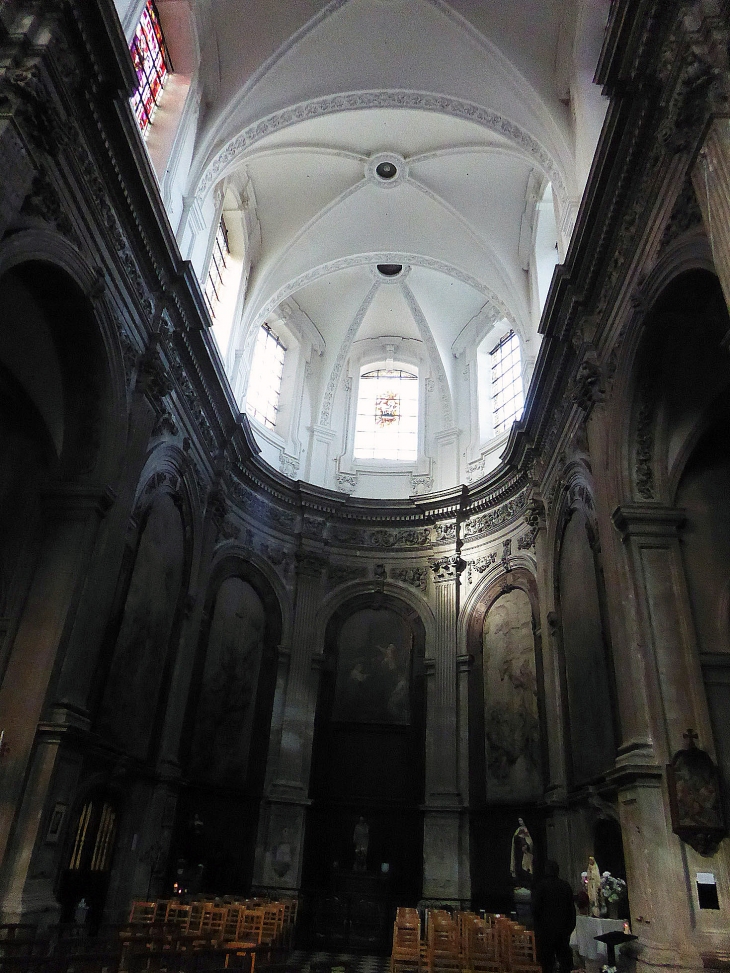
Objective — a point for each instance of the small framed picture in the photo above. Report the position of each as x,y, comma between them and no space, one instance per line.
56,823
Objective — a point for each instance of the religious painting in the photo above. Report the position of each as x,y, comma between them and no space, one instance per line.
694,798
132,692
374,650
225,712
511,718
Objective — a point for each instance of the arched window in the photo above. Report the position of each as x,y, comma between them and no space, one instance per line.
264,385
386,425
507,393
219,261
152,64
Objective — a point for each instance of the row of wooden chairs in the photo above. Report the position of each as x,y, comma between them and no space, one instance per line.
464,943
247,921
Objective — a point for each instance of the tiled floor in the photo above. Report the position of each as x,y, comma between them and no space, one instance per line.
337,963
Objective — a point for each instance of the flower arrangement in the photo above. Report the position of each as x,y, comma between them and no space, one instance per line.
612,888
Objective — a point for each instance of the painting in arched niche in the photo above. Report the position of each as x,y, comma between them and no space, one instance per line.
129,706
225,711
373,668
511,716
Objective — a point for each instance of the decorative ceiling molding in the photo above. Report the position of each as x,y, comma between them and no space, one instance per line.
436,361
325,415
383,257
467,111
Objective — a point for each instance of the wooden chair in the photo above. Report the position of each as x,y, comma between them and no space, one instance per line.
144,912
522,958
442,951
405,956
482,952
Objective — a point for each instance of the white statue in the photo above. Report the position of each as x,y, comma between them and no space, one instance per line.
593,886
521,859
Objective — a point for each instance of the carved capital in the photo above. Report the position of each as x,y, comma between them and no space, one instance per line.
447,568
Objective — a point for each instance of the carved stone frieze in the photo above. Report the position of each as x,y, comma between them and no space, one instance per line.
217,505
416,576
162,479
494,519
310,563
444,533
347,482
289,465
481,564
43,203
313,527
644,448
526,542
535,516
282,559
338,574
418,537
588,385
685,216
421,483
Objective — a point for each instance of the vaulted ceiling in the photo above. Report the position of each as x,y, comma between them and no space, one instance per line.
479,104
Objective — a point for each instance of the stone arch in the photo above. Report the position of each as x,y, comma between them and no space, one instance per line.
354,589
490,592
632,431
227,727
507,726
368,753
159,557
65,283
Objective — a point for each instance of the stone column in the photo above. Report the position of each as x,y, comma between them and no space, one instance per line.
73,515
554,730
711,181
661,869
445,829
283,816
57,759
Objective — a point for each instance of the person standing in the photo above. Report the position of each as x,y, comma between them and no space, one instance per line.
554,917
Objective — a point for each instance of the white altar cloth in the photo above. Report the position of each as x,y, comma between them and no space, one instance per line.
586,928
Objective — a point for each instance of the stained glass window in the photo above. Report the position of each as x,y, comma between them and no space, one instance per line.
264,385
216,270
152,64
507,395
387,415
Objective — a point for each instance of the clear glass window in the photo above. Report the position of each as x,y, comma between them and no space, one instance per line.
217,268
386,426
264,384
152,64
507,395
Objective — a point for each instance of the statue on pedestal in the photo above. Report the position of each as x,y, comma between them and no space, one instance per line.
593,886
521,858
361,838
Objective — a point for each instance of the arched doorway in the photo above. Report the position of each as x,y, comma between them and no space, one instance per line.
367,778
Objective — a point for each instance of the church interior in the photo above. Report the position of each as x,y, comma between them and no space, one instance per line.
364,373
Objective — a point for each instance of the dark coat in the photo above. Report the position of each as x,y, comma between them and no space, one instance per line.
553,910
